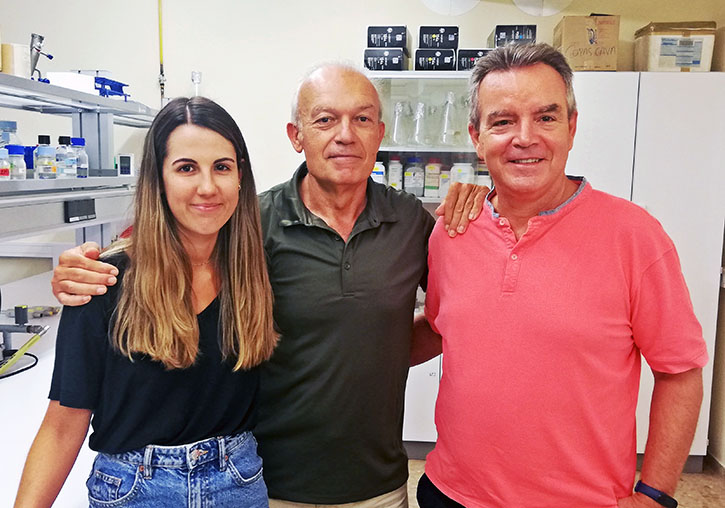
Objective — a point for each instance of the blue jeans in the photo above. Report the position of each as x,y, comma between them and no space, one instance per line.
219,472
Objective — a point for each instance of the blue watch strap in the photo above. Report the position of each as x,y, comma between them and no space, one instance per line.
659,496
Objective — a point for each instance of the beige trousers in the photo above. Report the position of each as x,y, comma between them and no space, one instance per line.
398,498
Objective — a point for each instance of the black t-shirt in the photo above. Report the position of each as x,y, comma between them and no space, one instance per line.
141,402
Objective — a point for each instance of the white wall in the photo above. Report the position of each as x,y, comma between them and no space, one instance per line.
251,54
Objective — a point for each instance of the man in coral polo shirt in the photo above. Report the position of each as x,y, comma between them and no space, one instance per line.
544,307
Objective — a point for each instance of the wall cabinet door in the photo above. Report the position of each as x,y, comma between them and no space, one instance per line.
604,142
420,399
679,177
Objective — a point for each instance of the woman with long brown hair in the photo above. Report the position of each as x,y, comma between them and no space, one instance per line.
164,363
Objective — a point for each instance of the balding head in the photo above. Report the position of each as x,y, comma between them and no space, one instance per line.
325,71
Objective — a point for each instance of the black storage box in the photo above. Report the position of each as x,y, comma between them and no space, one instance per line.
503,34
467,58
386,59
388,37
435,59
438,37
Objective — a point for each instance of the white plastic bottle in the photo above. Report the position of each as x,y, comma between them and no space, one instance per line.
395,173
4,164
79,147
462,172
414,177
378,173
432,178
445,182
16,156
45,168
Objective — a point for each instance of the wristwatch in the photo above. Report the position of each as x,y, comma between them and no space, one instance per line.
657,495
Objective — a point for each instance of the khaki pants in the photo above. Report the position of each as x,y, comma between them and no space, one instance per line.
398,498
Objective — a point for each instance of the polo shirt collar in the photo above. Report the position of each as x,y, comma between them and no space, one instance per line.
292,210
583,184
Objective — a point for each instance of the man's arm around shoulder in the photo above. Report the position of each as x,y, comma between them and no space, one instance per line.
79,275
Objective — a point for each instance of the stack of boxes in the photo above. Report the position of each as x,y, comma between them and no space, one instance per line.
387,48
437,47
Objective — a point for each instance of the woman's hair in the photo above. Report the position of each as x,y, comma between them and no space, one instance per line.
154,315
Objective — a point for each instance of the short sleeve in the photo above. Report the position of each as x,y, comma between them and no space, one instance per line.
664,325
80,352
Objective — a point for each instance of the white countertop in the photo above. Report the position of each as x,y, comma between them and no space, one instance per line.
24,399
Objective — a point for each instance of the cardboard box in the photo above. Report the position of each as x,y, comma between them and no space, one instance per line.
466,58
678,46
718,53
589,43
380,36
503,34
435,59
16,59
438,37
386,59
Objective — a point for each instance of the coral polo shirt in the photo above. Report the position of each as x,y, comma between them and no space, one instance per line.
541,350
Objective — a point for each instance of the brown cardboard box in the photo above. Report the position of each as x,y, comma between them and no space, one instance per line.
588,42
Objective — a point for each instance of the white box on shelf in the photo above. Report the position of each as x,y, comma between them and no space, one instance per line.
73,80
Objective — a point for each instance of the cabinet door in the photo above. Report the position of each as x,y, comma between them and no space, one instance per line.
679,178
420,400
604,142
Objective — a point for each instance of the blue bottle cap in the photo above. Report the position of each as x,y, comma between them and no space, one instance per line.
78,141
15,149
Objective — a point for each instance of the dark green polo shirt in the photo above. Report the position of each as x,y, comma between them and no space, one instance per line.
331,411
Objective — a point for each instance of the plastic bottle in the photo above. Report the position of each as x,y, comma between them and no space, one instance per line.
395,173
462,172
482,176
79,146
379,172
414,177
432,178
445,182
17,161
4,164
61,157
45,168
448,133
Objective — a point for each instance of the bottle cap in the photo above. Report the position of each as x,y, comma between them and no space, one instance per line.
434,160
413,160
43,139
64,140
46,151
15,149
78,141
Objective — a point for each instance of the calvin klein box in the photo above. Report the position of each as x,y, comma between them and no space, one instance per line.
380,36
438,37
467,57
435,59
503,34
386,59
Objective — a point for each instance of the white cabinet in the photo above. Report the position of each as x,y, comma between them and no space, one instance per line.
654,138
679,177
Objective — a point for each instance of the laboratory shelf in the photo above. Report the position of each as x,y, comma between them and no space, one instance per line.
29,95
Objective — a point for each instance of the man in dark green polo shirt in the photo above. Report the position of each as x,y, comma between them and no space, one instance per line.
345,257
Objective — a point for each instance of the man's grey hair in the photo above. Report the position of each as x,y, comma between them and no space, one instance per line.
514,56
342,65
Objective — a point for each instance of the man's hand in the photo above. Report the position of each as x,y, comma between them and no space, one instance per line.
79,275
462,204
637,500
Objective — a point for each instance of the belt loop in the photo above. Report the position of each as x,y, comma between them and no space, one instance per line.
222,453
147,454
